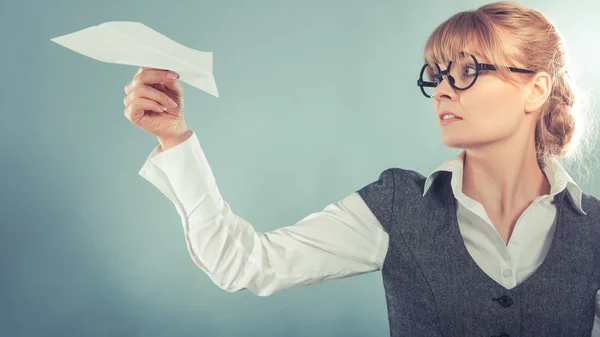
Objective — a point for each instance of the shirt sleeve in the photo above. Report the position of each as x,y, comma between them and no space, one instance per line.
596,328
342,240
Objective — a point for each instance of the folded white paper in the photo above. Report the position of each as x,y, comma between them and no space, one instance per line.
133,43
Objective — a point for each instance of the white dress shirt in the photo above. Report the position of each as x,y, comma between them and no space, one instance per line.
344,239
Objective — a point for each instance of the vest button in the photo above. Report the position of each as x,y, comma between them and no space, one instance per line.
504,301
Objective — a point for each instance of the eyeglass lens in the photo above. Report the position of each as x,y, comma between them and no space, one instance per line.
463,70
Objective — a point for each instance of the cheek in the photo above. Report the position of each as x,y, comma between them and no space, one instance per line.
494,104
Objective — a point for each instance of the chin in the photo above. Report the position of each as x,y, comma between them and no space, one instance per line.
455,142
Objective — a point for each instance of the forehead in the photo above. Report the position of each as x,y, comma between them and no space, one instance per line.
447,58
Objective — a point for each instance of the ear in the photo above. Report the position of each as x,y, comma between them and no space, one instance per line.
538,91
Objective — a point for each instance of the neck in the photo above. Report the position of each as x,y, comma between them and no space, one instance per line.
503,177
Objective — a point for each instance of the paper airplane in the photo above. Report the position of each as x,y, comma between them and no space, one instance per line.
133,43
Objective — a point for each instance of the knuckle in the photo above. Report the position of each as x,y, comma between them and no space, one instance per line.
143,77
135,94
132,86
138,79
131,106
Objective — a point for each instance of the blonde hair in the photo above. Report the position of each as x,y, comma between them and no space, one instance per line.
507,33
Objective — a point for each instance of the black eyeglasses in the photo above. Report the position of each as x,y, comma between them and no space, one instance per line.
461,77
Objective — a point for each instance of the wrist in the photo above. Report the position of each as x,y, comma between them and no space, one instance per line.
171,141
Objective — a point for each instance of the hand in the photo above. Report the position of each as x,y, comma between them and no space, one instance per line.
148,104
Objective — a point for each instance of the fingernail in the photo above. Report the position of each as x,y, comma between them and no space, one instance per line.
172,76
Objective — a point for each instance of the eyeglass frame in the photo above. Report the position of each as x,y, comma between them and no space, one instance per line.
440,74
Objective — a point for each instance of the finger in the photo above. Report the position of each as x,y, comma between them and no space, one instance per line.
142,68
142,78
174,87
152,76
138,107
159,86
146,91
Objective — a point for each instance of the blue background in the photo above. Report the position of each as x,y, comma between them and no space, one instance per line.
321,91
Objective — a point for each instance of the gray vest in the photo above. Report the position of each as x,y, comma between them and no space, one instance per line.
433,287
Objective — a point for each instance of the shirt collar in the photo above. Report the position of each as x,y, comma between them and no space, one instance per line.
557,176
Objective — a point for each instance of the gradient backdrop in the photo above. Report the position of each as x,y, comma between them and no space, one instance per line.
320,91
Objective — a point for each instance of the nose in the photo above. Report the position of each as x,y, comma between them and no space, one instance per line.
444,89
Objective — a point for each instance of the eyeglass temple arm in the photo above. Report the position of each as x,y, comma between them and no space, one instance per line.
484,66
421,83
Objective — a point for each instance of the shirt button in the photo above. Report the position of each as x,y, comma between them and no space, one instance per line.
507,273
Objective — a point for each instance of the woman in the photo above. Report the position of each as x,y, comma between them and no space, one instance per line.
498,240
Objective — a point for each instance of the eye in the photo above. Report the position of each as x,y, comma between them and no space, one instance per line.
432,74
468,70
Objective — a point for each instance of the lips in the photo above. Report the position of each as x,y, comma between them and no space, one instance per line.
441,115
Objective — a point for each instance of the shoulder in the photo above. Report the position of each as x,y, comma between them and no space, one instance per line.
394,175
394,186
590,205
389,181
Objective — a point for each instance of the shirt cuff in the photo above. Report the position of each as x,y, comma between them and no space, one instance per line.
180,172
